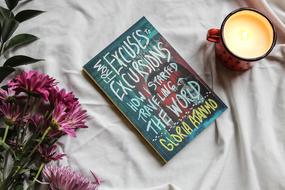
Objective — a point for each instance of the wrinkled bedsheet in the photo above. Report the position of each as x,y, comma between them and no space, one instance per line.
243,150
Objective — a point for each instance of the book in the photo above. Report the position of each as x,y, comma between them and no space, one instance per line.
154,88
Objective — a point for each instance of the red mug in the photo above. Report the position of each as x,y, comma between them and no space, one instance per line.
227,57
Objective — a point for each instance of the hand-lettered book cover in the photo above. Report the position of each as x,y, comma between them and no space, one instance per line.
154,87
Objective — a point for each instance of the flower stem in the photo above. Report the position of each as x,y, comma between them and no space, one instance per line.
15,170
5,133
40,142
37,175
1,48
39,171
34,149
24,112
6,157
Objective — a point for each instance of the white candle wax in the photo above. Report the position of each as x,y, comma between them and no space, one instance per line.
248,34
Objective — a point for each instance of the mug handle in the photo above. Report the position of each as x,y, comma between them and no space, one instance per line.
213,35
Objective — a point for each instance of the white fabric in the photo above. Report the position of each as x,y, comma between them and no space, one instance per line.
245,147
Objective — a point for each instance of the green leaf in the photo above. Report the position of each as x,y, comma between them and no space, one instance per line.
5,71
8,28
5,13
7,147
4,145
20,60
24,170
27,14
19,40
11,4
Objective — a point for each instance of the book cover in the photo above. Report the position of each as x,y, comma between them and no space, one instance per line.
154,88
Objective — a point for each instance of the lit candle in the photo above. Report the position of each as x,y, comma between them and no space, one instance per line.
248,34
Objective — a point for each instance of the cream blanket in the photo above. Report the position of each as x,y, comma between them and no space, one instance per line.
243,150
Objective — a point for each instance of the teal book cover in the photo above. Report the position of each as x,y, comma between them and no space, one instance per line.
154,88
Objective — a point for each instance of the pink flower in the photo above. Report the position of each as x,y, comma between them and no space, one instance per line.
62,96
49,153
64,178
11,113
6,95
69,120
76,117
68,114
35,120
33,82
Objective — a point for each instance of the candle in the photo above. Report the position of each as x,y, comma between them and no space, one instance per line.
245,36
248,34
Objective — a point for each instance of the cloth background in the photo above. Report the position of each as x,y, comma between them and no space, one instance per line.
244,148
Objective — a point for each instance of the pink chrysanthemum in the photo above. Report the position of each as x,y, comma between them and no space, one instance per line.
64,178
11,113
5,95
35,120
50,153
62,96
33,82
68,120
